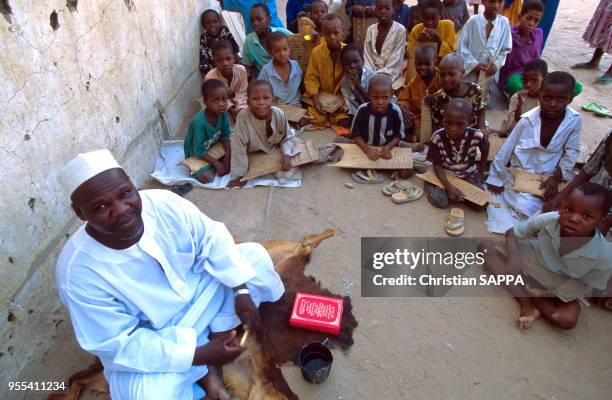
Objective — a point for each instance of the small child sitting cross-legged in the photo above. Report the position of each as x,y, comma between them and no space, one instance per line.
563,247
453,149
261,127
284,74
356,78
208,127
233,75
379,123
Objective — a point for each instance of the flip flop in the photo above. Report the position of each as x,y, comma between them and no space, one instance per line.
603,80
396,187
597,109
406,196
370,177
455,224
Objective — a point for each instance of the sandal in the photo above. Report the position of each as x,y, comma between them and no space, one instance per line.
582,65
603,80
406,196
455,225
396,187
597,109
370,176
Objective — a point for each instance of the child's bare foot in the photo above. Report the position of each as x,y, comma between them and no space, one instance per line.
213,384
527,317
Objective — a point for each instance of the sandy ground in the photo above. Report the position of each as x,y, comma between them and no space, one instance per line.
416,348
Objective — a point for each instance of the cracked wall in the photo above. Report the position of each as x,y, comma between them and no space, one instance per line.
109,73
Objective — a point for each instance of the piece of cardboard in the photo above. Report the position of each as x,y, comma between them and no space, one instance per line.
195,164
329,102
470,192
261,163
355,158
293,113
528,182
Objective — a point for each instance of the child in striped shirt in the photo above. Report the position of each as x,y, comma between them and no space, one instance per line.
453,149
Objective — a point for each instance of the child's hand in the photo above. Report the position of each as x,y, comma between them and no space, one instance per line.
454,194
286,163
227,164
434,36
495,189
423,36
358,11
386,153
301,14
490,70
372,153
353,76
220,168
236,183
317,104
550,187
370,11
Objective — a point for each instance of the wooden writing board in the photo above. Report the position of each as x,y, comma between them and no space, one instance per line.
470,192
354,157
329,102
293,113
528,182
261,163
426,123
195,164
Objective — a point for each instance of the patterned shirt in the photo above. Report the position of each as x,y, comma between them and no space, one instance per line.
377,130
600,160
207,61
441,99
461,160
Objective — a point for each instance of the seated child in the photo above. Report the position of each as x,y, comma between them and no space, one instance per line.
233,76
256,49
526,99
260,127
402,13
283,74
527,41
453,149
416,16
566,243
324,73
546,141
598,169
379,122
451,73
485,52
433,30
208,127
318,10
384,44
356,78
294,10
214,30
244,8
456,11
425,82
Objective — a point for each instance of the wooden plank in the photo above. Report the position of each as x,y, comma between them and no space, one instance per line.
426,123
329,102
293,113
355,158
528,182
195,164
470,192
261,163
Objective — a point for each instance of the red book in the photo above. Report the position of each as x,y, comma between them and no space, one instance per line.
317,313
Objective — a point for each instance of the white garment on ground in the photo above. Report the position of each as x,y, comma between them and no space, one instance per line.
477,49
391,56
524,151
143,310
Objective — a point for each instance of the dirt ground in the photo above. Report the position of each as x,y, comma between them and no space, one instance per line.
417,348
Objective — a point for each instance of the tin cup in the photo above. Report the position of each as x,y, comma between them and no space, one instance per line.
315,360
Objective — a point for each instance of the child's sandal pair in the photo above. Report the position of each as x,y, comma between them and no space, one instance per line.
369,176
402,191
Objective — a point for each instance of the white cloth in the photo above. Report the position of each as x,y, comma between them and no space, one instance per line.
524,151
143,310
477,49
84,167
391,56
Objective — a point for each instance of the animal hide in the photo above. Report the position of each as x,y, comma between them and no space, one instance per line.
256,374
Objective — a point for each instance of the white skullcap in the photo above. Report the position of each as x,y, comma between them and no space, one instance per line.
84,167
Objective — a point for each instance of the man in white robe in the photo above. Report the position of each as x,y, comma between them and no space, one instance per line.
523,150
153,286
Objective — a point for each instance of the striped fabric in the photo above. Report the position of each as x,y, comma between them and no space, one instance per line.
377,130
459,160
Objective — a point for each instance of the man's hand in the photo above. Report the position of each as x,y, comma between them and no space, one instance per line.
286,163
454,194
495,189
386,153
551,188
247,312
372,153
219,351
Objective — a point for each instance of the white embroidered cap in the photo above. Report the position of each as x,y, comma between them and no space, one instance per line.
84,167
